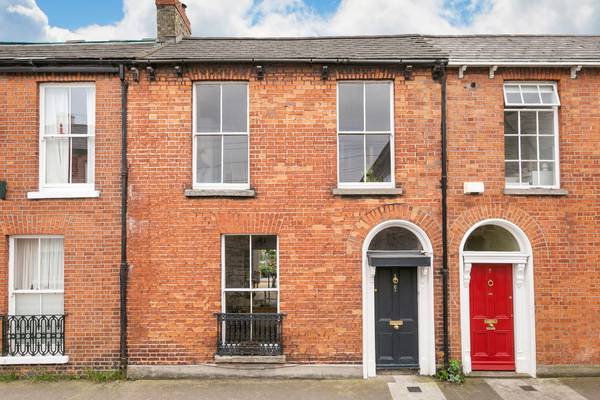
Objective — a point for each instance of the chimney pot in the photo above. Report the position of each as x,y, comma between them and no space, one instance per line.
172,22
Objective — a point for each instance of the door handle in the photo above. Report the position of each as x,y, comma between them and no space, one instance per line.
396,324
491,324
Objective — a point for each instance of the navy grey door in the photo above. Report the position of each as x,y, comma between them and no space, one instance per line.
396,330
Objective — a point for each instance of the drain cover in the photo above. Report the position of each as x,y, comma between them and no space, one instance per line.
414,389
529,388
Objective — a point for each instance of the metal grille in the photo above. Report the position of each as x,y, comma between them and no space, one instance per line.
33,335
249,334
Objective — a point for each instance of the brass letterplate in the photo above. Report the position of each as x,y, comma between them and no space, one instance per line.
396,324
490,324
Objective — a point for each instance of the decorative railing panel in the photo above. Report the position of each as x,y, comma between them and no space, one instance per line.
249,334
33,335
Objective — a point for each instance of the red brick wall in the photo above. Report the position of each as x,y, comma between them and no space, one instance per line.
174,248
563,231
90,226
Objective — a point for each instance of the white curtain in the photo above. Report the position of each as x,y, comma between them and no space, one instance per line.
26,264
91,123
56,111
52,261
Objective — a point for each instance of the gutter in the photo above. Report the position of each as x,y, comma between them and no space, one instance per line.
59,69
123,353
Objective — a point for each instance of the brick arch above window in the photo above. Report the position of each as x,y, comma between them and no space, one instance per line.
35,225
417,215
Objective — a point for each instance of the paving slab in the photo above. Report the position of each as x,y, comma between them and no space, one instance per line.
222,389
586,386
533,389
413,387
472,389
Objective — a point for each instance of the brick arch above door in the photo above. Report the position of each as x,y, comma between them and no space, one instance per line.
519,217
417,215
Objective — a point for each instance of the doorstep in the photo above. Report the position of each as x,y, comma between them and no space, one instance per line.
250,359
498,374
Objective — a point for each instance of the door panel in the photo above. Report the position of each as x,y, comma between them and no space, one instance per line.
396,304
491,310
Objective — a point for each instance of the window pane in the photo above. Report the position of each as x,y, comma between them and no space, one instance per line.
513,94
378,106
530,95
546,148
26,264
491,238
529,148
52,303
511,122
52,262
546,119
208,158
264,262
378,158
395,238
79,160
547,174
264,302
27,304
237,261
79,110
529,172
57,160
235,159
548,95
511,172
528,123
511,147
56,111
234,108
208,108
352,161
351,106
237,302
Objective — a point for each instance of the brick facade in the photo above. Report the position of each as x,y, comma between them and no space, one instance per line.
174,246
90,226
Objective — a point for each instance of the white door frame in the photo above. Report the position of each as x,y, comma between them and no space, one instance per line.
523,295
425,303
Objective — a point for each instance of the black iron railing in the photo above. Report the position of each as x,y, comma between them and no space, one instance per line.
249,334
33,335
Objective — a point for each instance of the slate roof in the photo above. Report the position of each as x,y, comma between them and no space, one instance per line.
519,48
76,50
407,47
473,49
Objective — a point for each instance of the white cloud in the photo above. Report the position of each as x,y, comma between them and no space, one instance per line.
23,20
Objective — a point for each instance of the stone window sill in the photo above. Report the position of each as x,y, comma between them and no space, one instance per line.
220,193
63,194
367,191
249,359
535,192
28,360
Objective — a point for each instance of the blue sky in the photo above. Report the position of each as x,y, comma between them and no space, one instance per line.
59,20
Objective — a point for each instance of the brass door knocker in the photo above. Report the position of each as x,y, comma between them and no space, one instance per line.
490,283
395,282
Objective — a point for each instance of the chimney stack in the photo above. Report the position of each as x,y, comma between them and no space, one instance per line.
172,22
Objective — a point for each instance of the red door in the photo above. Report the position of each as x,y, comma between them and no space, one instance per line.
492,328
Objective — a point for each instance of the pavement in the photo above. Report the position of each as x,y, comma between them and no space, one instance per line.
399,387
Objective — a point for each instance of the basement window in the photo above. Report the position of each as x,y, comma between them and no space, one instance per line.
531,135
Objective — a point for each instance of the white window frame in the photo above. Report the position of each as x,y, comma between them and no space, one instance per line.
195,134
225,289
11,271
66,190
364,133
537,84
537,109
